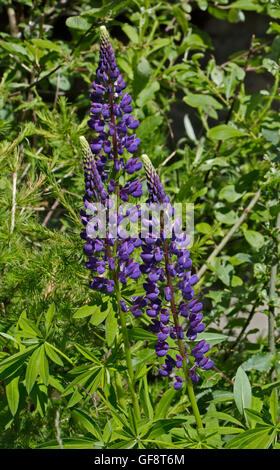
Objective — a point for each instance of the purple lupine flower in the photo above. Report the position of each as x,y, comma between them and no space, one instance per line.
163,278
113,124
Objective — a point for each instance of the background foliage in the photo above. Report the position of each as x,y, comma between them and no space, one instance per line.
212,130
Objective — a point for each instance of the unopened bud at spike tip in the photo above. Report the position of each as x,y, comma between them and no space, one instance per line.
104,35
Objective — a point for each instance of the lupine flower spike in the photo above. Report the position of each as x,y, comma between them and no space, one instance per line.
175,313
108,157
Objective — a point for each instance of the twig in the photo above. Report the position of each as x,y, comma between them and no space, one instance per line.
267,107
34,83
56,90
237,90
223,375
13,211
12,20
249,318
235,97
229,234
50,213
167,159
58,432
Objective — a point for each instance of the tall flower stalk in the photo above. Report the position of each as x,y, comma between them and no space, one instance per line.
165,264
109,259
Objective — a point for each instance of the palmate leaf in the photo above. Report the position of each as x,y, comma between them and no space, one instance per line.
32,370
72,443
163,426
10,364
12,393
273,406
111,327
163,406
259,438
87,422
54,357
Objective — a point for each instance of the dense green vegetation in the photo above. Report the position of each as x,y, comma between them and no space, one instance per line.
212,131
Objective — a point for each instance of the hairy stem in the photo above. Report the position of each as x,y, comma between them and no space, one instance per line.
131,380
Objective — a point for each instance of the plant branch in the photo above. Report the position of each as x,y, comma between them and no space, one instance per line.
229,234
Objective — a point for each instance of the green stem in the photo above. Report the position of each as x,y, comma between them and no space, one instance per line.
193,399
269,101
131,380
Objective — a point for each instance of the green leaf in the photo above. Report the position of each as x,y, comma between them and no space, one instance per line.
111,327
15,49
224,417
255,417
60,352
224,430
7,336
29,329
229,193
260,361
63,81
17,358
212,338
32,369
223,271
228,218
99,316
53,355
87,354
44,366
131,32
259,438
145,398
201,101
240,258
140,333
147,94
86,311
163,406
224,132
108,10
242,391
72,443
49,316
148,126
47,45
236,281
180,16
255,239
247,5
163,426
273,406
204,228
12,393
87,422
77,22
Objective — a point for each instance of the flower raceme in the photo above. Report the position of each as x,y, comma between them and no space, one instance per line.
112,121
165,267
169,294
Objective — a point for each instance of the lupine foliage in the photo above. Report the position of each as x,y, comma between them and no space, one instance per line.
211,130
